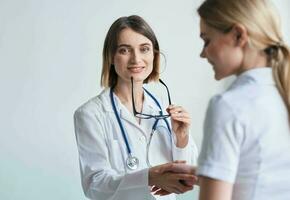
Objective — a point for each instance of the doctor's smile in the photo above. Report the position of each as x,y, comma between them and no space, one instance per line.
136,69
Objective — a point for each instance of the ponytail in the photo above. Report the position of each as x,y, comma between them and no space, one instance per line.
280,63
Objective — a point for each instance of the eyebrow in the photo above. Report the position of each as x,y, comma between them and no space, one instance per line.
127,45
123,45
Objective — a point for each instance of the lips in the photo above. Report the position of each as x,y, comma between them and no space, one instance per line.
136,69
210,62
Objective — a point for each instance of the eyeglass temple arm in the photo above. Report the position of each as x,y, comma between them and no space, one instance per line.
133,101
169,99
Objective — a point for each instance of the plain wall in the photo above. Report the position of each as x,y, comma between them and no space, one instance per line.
50,62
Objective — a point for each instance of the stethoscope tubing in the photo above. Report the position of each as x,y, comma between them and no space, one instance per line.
120,123
153,127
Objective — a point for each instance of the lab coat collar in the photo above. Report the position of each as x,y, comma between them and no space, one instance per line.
149,107
106,101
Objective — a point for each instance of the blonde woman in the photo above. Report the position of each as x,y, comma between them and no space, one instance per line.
246,148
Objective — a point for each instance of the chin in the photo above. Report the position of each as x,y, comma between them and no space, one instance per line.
139,77
218,77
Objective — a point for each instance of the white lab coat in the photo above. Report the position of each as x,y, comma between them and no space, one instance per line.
102,150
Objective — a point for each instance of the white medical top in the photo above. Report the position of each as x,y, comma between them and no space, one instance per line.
102,150
247,139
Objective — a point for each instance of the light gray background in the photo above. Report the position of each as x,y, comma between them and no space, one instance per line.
50,61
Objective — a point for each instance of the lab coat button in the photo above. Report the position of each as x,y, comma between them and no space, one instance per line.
142,138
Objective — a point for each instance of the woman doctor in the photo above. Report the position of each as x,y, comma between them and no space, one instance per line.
124,134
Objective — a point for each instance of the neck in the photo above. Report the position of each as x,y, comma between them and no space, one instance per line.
253,59
124,93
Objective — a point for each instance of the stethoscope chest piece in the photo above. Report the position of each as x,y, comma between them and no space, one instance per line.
132,162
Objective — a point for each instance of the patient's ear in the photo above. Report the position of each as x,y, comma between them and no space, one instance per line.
240,35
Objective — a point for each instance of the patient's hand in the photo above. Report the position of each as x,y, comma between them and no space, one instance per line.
176,177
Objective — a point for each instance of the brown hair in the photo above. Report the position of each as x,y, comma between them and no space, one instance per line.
109,76
263,25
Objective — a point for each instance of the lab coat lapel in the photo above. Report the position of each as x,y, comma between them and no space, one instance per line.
126,115
106,100
149,107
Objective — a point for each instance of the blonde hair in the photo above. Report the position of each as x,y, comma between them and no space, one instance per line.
263,25
109,76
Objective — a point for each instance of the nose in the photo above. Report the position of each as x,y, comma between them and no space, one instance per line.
135,57
202,53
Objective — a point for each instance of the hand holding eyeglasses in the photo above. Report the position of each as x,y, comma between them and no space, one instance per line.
180,120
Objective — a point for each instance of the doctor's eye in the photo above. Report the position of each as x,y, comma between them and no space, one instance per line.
145,49
124,50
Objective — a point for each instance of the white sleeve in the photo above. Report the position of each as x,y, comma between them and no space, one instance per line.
99,180
189,153
223,135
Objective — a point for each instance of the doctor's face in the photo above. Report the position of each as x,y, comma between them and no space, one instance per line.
134,56
221,51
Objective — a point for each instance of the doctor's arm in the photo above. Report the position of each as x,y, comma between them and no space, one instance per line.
99,179
184,147
212,189
180,120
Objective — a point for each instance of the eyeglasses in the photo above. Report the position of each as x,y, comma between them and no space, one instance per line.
148,116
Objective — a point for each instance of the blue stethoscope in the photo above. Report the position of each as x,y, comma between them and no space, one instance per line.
132,162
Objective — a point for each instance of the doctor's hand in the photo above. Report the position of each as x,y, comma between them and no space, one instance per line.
171,178
177,167
180,120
